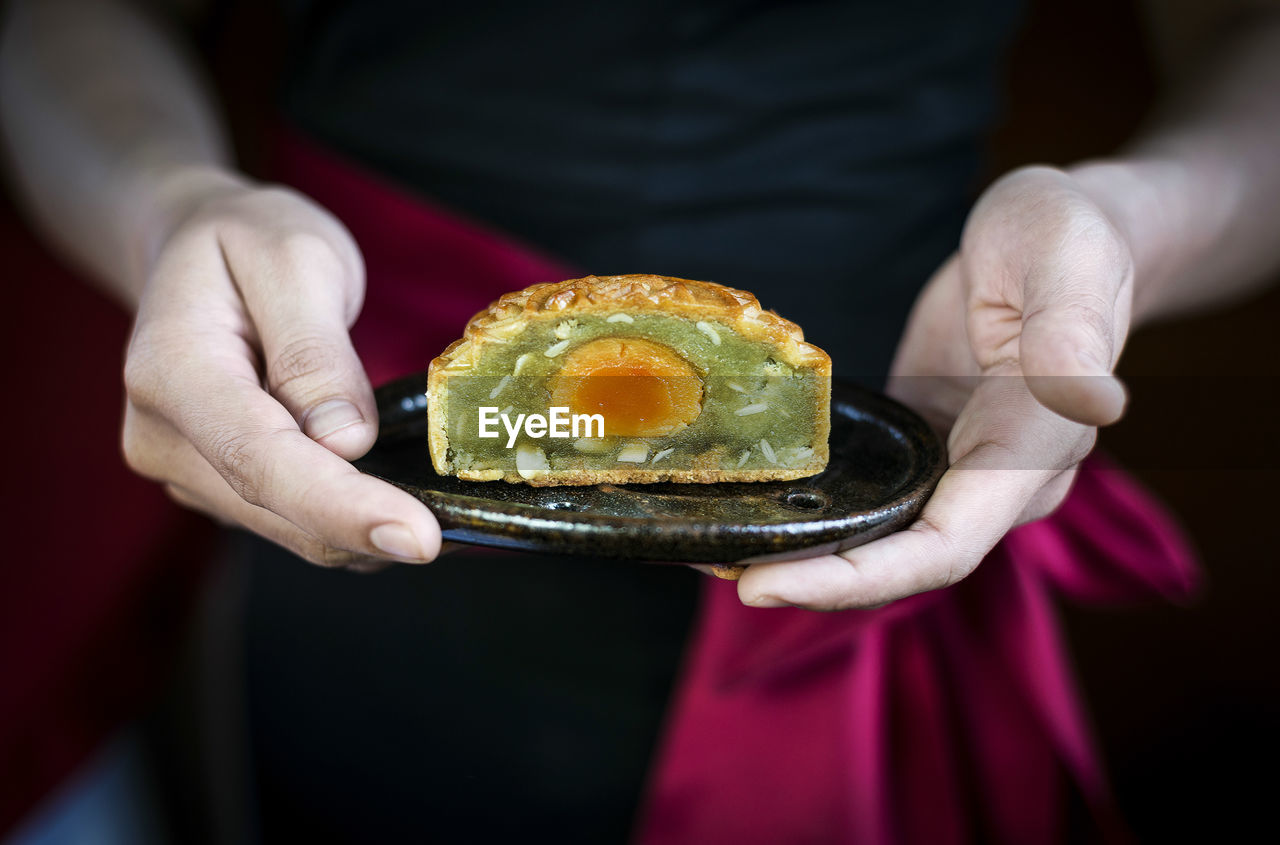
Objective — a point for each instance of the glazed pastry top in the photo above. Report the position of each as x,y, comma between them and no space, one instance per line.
695,300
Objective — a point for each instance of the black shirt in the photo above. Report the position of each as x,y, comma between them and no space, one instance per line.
820,154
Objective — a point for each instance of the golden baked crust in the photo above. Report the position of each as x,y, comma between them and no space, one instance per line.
737,309
513,312
728,571
558,478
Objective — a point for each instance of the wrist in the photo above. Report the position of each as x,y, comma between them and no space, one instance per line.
168,195
1170,215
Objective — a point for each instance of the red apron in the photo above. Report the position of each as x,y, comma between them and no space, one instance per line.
99,567
942,718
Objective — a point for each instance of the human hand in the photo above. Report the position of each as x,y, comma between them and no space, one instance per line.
1009,347
244,392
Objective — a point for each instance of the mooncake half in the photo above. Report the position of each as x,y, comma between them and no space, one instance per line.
624,379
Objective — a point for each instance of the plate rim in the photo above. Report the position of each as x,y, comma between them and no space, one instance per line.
402,414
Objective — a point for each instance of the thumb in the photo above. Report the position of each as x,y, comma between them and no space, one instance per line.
314,371
302,310
1073,324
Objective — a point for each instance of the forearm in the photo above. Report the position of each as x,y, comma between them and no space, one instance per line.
106,128
1198,193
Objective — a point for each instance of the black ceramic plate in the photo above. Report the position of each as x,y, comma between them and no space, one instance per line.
884,464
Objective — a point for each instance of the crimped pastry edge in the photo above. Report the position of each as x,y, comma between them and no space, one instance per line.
738,309
640,292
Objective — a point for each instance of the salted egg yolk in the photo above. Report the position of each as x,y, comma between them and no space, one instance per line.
641,388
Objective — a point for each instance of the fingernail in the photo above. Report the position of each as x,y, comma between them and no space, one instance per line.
327,417
396,540
768,601
1119,396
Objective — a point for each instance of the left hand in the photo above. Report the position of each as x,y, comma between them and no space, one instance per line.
1010,347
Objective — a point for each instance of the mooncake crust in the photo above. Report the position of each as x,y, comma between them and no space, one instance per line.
639,293
568,477
688,298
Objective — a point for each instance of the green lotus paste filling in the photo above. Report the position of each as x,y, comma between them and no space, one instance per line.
757,412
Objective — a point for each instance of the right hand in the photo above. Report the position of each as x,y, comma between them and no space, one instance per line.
245,396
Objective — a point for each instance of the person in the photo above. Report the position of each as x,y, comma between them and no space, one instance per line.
820,155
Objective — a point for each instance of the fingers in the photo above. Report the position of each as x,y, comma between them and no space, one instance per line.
298,290
1012,456
933,371
1018,334
1049,283
271,527
155,449
970,511
268,465
259,286
1066,351
318,378
1048,497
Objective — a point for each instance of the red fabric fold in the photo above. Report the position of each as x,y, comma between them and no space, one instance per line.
955,713
100,567
947,717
